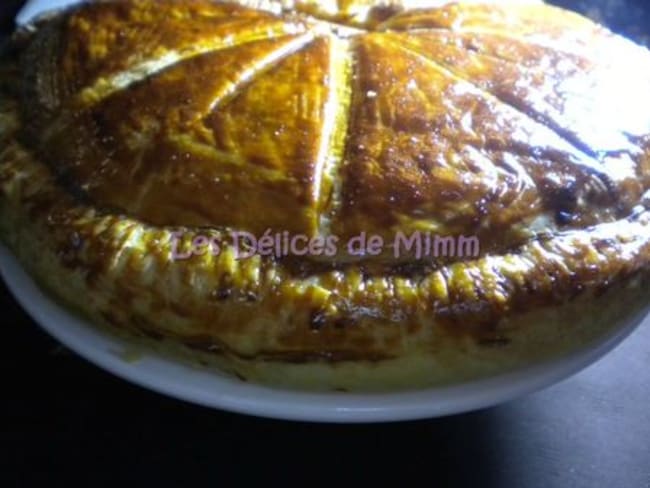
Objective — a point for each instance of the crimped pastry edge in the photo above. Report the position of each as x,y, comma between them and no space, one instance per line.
534,338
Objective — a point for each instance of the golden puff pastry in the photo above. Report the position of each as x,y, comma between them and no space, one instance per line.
344,195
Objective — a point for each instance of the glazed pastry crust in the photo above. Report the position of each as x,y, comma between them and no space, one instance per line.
201,118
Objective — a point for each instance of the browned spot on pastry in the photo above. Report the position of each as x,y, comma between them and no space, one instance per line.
204,343
318,320
332,356
221,294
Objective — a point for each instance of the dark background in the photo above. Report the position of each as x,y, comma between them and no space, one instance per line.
63,420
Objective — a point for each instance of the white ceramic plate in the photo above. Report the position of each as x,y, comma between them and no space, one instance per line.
209,388
33,8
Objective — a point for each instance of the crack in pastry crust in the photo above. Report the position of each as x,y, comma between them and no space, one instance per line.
417,122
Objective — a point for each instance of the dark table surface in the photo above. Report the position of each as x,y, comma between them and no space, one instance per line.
63,419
